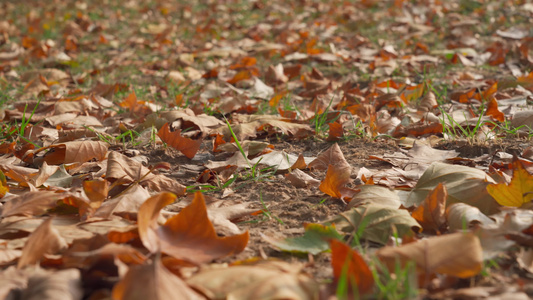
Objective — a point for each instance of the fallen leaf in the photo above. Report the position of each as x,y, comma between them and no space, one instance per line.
315,239
128,170
74,152
262,280
494,236
300,179
334,182
332,156
188,235
29,204
185,145
464,185
348,264
518,192
152,281
44,240
375,222
457,254
370,193
461,216
431,212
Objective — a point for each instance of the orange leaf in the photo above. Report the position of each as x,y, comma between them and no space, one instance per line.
493,111
242,75
188,235
349,263
431,214
147,219
333,184
185,145
335,131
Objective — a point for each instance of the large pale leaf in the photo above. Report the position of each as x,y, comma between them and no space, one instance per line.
464,185
315,239
263,280
457,254
375,222
461,216
375,194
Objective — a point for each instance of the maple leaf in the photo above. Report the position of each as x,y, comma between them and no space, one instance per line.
518,192
188,235
185,145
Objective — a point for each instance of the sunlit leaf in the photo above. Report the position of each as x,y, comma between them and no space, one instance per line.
518,192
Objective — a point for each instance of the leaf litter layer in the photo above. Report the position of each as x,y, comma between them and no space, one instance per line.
266,149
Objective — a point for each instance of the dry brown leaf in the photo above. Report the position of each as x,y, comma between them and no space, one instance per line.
332,156
126,203
44,240
185,145
74,152
456,254
461,215
300,179
29,204
152,281
127,170
188,235
263,280
64,284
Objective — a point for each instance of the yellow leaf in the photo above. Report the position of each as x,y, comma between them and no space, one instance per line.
518,192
